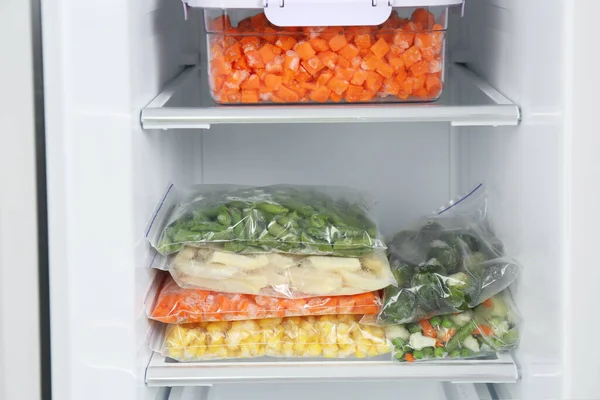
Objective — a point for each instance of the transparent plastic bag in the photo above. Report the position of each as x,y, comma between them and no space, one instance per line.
175,305
279,275
491,327
329,336
279,218
450,262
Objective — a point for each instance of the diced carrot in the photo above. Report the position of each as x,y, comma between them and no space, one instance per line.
363,41
411,56
385,70
380,48
488,303
234,80
343,62
273,82
432,82
391,87
288,76
250,43
374,81
333,96
401,76
435,66
368,95
320,94
423,17
370,62
304,50
360,76
388,36
259,21
427,328
421,93
345,74
269,38
483,330
244,25
349,51
438,33
337,42
217,82
396,63
309,85
233,53
419,83
302,75
219,24
328,58
218,66
319,44
337,85
419,68
409,357
313,65
423,40
448,334
254,59
242,63
234,97
291,61
346,303
324,77
330,32
266,52
287,95
356,62
406,87
252,82
285,42
363,52
403,40
413,27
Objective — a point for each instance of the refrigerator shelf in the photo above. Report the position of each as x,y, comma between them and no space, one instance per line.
162,371
468,100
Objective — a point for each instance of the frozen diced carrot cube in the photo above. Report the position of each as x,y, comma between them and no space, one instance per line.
249,96
259,21
234,80
374,81
273,82
266,52
437,32
354,93
355,62
276,99
337,85
304,50
218,66
275,66
320,94
261,73
250,43
245,24
397,63
432,82
367,95
418,83
330,32
291,61
234,97
363,52
411,56
345,74
285,42
395,51
313,65
309,85
359,77
313,31
380,48
401,75
343,62
287,95
349,51
404,40
406,88
391,87
385,70
423,17
242,63
328,58
370,62
419,68
423,40
233,53
413,27
333,96
219,24
288,76
324,77
363,41
302,75
435,66
337,42
319,44
254,59
252,82
421,93
269,37
297,88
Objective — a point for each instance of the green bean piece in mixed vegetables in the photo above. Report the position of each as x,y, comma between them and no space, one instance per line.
273,218
491,327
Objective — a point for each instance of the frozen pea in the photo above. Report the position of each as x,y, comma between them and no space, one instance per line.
418,354
446,323
435,321
455,353
439,352
465,353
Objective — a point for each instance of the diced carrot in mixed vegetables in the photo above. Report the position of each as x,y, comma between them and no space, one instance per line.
175,305
257,62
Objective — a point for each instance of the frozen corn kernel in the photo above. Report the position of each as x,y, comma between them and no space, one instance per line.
329,336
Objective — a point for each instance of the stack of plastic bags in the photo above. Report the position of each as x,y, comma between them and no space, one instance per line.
292,271
279,271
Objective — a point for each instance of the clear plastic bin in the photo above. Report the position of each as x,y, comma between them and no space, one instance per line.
253,61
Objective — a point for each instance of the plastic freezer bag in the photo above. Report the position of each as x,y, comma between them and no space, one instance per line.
449,262
491,327
278,218
279,275
328,336
175,305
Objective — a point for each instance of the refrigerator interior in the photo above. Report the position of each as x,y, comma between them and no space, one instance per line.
106,60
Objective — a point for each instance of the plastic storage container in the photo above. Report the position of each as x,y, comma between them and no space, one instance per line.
252,61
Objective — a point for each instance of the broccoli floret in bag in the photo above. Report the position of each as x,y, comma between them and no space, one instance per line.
400,305
446,252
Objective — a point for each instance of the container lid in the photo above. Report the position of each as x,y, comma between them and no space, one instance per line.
322,12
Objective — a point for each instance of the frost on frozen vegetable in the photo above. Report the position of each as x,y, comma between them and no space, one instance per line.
491,327
284,219
329,336
450,263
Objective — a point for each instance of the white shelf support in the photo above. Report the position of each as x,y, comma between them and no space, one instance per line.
165,372
467,101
